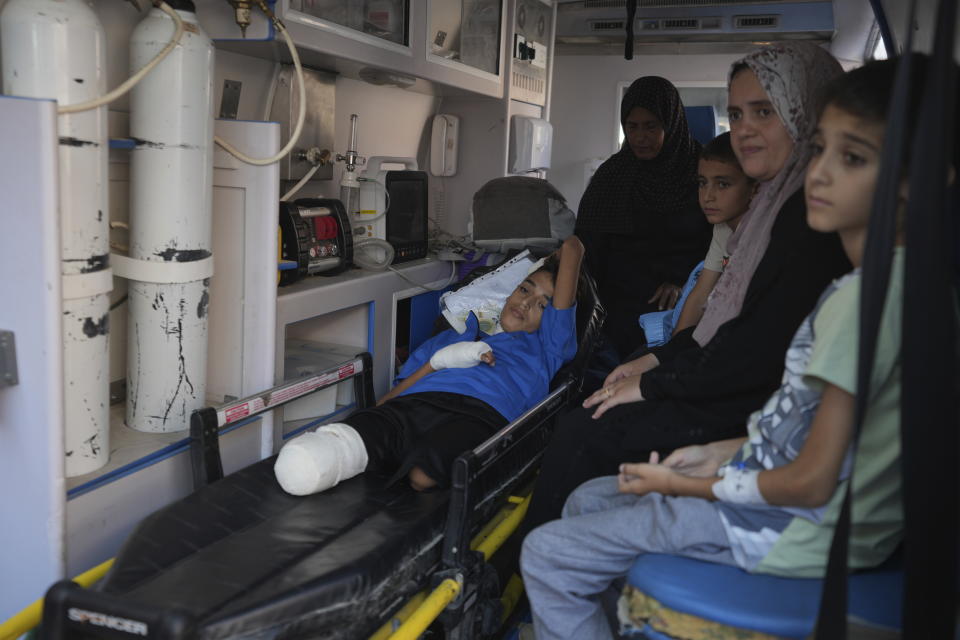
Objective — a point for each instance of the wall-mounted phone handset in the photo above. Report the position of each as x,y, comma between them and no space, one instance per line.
443,145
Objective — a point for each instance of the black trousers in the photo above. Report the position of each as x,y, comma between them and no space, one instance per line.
427,430
583,448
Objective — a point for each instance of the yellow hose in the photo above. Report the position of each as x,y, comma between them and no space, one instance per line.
30,617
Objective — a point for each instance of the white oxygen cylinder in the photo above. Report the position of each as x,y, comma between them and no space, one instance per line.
171,176
55,49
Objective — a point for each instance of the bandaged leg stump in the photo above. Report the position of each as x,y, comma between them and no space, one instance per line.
319,460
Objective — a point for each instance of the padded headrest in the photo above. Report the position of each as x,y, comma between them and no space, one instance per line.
519,211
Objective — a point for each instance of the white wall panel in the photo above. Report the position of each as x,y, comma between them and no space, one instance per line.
31,412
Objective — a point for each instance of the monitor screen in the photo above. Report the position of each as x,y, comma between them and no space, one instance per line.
407,212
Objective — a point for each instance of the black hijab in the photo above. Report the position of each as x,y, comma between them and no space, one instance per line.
625,188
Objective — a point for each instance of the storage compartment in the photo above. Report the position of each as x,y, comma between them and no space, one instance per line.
305,358
468,32
386,19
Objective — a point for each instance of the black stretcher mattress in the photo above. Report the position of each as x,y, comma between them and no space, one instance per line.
243,559
247,560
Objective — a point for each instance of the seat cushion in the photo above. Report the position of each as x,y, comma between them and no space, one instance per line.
784,607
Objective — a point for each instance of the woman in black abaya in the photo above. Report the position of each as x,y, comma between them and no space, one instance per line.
639,218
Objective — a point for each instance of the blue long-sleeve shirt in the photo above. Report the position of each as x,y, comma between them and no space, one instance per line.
525,363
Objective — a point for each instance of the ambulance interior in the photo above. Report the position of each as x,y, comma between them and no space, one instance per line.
221,231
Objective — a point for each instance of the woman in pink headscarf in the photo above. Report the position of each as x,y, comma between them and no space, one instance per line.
702,385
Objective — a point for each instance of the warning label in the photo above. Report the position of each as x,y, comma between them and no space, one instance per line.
239,411
235,413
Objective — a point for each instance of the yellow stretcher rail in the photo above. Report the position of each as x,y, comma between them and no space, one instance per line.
503,530
427,612
487,542
404,614
30,617
511,596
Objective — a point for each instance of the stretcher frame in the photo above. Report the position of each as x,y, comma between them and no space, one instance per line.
465,601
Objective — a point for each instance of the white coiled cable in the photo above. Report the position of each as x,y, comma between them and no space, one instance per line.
362,258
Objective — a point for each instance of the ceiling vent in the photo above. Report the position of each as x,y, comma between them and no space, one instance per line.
604,21
600,26
756,22
604,4
680,23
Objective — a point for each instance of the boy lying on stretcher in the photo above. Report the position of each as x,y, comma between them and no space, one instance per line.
456,391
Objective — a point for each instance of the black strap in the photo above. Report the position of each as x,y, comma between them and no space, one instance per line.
929,408
889,43
875,280
631,14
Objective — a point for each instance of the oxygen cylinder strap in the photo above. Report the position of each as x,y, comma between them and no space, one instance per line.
87,285
161,272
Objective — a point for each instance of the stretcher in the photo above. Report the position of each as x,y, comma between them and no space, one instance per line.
240,558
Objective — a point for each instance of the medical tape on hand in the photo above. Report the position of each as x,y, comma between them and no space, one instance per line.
738,486
459,355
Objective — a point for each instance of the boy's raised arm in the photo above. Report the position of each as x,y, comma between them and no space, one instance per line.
565,290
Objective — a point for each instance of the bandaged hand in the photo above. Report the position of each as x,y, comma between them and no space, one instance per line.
461,355
739,486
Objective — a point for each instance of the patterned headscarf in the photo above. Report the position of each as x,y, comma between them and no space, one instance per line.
625,187
793,75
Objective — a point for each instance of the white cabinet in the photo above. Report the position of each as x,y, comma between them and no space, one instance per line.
355,308
383,41
485,123
464,44
384,19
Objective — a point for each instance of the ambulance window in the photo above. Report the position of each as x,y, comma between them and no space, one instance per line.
692,94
